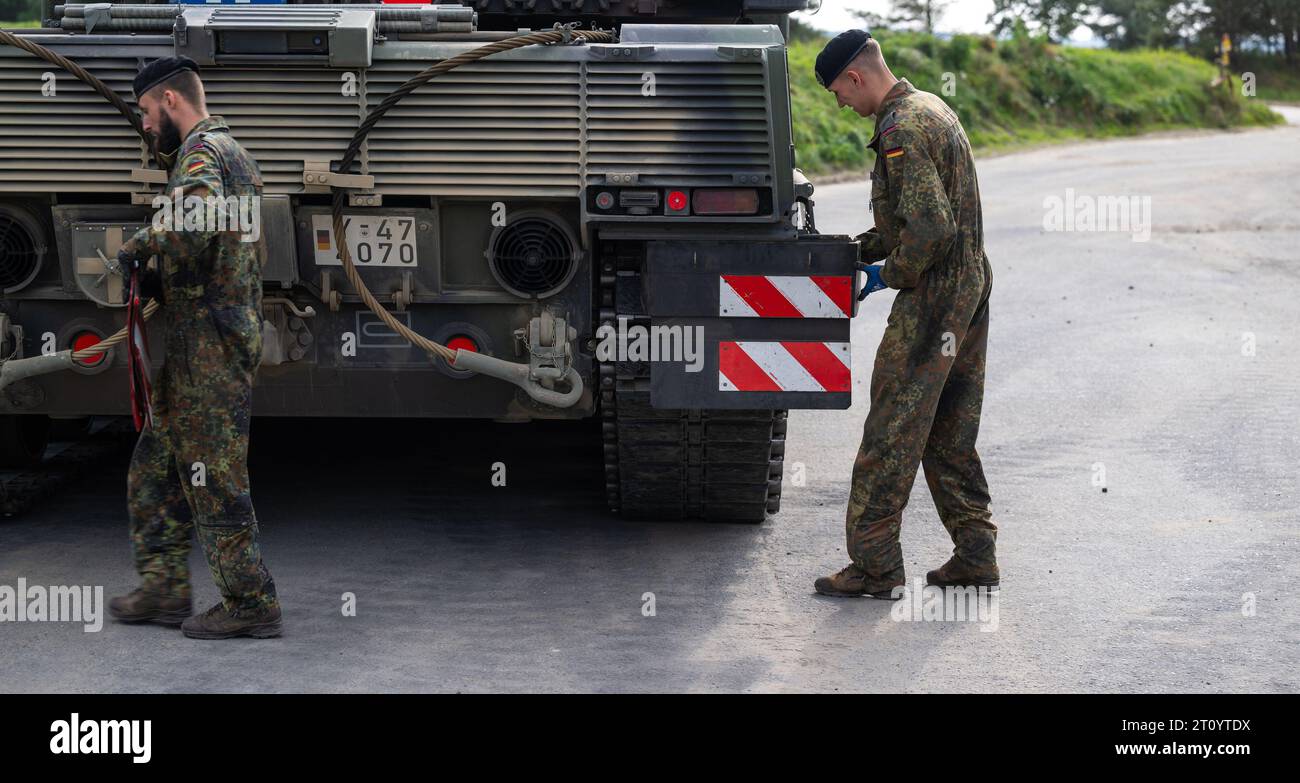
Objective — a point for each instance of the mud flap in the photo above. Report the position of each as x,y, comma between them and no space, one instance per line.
763,324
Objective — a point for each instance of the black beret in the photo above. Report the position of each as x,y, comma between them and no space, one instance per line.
837,55
159,71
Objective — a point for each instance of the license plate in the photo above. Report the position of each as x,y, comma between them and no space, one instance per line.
373,240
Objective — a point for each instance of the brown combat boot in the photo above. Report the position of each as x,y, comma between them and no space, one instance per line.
146,603
222,622
958,573
851,581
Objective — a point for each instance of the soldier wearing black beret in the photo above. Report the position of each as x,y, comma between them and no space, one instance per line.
189,471
927,387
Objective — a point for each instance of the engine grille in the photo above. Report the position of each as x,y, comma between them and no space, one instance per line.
510,127
72,139
703,122
283,127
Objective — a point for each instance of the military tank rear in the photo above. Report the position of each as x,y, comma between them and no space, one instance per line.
628,210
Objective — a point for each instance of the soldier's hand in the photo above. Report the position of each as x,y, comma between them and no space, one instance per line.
874,282
869,249
128,257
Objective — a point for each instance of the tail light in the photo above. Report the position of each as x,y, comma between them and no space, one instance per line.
725,201
85,340
462,343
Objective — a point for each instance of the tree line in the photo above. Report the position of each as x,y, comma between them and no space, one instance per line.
1261,26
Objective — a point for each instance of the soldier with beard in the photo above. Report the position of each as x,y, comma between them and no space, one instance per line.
188,472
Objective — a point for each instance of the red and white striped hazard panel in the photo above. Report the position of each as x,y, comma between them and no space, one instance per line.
783,366
785,296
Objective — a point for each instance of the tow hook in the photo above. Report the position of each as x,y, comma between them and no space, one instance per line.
550,357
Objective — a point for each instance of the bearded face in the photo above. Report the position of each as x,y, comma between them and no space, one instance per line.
159,121
168,136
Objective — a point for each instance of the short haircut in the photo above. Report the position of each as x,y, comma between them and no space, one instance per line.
185,84
870,58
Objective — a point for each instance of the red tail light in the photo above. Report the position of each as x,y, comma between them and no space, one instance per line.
462,343
85,340
725,201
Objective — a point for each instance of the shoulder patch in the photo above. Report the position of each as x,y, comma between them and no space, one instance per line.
895,152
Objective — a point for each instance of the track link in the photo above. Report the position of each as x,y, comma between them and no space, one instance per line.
717,465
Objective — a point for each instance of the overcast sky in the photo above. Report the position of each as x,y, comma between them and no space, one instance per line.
963,16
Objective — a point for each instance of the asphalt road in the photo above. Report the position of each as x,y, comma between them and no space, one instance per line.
1106,354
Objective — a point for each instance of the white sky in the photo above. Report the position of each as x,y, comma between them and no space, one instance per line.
963,16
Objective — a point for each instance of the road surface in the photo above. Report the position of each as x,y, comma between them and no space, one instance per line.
1140,437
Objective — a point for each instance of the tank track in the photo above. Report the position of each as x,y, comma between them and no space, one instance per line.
716,465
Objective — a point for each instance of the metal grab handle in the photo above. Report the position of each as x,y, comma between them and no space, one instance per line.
519,376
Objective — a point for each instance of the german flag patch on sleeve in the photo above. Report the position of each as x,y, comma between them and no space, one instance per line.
195,167
895,152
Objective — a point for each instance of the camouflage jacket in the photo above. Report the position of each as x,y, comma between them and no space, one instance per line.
206,227
924,194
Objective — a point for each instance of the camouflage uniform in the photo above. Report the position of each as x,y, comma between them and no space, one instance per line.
212,294
928,382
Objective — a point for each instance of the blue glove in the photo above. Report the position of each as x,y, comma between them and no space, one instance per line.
874,282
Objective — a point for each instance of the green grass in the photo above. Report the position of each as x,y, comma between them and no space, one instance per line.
12,25
1017,92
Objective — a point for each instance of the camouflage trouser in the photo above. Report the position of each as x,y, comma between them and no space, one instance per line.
926,392
189,471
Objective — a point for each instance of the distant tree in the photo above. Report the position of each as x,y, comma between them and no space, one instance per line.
926,13
1274,24
1128,24
870,21
1054,18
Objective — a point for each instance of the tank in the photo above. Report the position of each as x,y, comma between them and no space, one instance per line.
626,213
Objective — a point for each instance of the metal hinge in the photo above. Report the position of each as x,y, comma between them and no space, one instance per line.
317,178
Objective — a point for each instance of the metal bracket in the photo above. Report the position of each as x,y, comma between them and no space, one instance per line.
328,294
402,298
741,53
623,51
317,178
149,176
96,13
566,31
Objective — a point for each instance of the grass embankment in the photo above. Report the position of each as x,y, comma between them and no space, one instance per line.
1016,92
